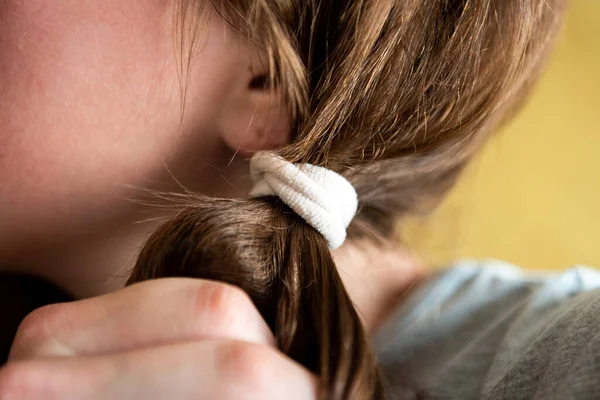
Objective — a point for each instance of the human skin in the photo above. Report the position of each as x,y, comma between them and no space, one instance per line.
91,115
91,119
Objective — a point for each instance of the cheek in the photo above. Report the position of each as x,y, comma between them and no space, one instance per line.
88,95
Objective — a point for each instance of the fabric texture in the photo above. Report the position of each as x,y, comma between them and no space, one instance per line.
323,198
491,331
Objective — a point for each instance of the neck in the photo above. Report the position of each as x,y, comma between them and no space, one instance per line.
83,265
377,279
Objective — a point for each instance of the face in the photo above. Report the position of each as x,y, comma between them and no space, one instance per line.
91,108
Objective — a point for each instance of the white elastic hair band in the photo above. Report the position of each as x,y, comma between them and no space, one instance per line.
323,198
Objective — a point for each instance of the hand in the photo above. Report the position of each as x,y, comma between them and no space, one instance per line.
163,339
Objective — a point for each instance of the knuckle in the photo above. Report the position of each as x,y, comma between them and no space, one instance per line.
227,299
38,334
220,308
35,326
250,367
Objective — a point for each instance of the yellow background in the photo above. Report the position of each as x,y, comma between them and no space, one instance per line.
533,195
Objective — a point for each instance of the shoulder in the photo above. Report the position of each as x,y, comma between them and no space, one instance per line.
478,327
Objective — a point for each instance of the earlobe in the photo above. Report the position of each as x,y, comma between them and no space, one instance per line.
252,115
258,120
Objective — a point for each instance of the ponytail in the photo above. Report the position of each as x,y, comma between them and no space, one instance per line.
286,267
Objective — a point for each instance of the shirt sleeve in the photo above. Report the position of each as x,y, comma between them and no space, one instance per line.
490,331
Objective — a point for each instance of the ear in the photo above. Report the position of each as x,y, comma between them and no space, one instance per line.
256,116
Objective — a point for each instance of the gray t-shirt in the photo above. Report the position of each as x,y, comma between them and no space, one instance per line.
491,331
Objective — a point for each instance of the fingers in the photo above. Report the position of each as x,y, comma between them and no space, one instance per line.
147,314
201,370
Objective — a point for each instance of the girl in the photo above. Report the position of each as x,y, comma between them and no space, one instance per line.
124,117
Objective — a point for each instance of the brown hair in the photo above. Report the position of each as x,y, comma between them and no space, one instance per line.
396,95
